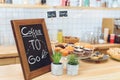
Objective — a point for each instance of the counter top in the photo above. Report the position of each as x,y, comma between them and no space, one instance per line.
11,51
105,45
8,51
109,70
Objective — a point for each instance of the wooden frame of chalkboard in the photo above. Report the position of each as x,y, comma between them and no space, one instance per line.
33,46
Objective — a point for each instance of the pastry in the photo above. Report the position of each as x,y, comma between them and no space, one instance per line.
114,53
70,39
100,56
97,55
94,58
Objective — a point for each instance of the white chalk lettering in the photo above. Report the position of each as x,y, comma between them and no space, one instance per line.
44,54
36,45
32,43
33,60
38,59
23,33
30,32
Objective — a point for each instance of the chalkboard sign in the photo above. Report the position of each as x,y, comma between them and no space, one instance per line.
33,45
51,14
63,13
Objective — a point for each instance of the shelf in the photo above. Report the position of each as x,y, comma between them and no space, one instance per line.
56,7
23,6
87,8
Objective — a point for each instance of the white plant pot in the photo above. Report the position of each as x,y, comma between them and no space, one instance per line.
72,69
57,69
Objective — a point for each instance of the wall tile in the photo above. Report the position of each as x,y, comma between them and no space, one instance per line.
78,23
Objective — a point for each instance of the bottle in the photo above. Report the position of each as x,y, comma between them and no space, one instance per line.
43,2
106,33
98,3
93,3
80,3
103,3
115,4
101,38
63,3
86,3
8,1
60,36
74,2
109,3
112,38
68,2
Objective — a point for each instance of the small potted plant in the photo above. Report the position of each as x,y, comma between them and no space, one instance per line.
56,65
72,64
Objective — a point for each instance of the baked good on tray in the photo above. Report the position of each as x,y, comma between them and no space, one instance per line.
114,53
70,39
83,51
96,56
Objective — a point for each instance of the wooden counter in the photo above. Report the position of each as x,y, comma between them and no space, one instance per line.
105,46
8,55
109,70
8,51
11,51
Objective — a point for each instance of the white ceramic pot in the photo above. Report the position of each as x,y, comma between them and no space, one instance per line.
72,69
57,69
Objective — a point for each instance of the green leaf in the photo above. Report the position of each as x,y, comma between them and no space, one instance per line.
56,57
73,59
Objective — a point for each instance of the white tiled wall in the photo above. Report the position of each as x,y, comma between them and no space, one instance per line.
78,23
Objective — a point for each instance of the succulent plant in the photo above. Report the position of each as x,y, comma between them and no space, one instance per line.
56,57
73,59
